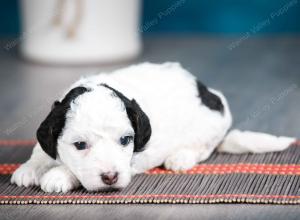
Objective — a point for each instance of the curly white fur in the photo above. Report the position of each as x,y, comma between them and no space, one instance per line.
184,131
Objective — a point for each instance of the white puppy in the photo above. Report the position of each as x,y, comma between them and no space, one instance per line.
109,127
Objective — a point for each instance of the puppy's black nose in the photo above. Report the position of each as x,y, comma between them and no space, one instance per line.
109,178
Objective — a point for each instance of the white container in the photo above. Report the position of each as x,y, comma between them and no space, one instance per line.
80,31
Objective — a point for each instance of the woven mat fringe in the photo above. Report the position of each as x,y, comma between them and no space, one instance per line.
272,178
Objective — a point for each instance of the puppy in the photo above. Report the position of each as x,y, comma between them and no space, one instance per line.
109,127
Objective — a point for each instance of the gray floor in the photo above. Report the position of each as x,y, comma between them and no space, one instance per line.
154,212
260,77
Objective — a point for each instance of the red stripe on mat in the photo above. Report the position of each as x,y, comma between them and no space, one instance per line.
6,169
271,169
19,143
281,169
176,196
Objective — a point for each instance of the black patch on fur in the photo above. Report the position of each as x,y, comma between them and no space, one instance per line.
50,129
139,120
209,99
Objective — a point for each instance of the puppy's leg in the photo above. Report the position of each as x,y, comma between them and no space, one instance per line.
183,159
31,172
59,179
146,160
186,158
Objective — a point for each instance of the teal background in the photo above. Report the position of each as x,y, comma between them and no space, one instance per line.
193,16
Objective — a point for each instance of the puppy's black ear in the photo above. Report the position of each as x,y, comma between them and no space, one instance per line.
141,125
51,128
56,103
138,118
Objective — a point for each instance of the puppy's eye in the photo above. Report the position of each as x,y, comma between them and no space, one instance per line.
125,140
80,145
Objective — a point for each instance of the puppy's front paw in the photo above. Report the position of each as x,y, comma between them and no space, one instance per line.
26,175
59,179
182,160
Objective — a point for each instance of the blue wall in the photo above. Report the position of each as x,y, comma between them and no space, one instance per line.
224,16
9,17
204,16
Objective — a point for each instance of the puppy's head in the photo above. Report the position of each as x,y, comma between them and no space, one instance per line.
95,132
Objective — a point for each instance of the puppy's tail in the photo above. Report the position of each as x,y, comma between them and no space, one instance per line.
238,142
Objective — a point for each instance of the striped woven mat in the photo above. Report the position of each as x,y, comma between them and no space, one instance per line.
272,178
